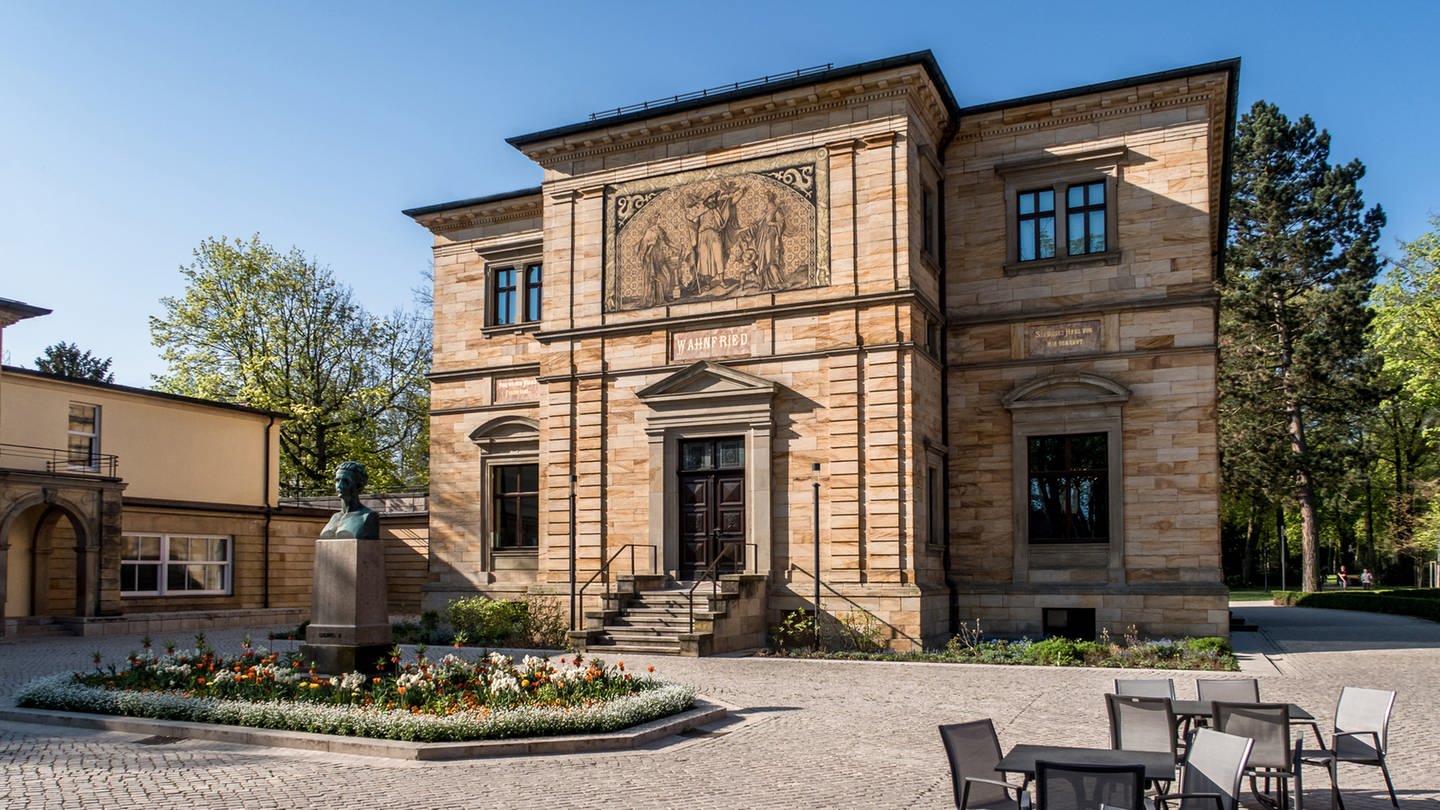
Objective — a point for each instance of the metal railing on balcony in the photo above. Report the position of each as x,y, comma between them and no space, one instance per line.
382,502
57,460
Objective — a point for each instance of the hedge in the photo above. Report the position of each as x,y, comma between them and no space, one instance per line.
1422,604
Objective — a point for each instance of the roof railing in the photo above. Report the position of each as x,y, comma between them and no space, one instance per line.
711,91
57,460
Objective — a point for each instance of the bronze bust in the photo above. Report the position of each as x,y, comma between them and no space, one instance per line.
354,518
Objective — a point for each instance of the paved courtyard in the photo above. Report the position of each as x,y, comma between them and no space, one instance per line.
807,733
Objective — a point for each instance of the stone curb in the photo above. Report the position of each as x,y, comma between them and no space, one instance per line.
703,713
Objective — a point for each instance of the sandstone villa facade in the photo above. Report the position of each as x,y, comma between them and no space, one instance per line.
982,338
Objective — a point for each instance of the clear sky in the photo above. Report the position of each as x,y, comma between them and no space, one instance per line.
130,131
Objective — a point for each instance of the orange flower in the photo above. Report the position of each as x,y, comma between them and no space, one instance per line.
649,669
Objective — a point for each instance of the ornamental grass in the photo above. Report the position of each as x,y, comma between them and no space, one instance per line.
451,699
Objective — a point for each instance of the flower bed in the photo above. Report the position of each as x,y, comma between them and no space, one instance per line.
450,700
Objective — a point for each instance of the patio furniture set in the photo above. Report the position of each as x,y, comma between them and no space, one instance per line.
1217,740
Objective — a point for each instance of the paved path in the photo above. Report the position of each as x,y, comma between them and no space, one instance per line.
809,734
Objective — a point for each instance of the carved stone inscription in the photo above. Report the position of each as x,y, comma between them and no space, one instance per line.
752,227
516,389
710,344
1062,338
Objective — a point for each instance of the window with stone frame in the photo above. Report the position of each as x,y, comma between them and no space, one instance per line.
1061,210
1069,498
175,565
515,294
515,506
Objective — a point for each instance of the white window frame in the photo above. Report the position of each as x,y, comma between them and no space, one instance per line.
92,462
164,563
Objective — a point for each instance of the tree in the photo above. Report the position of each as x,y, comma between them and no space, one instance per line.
67,360
1295,369
277,331
1407,332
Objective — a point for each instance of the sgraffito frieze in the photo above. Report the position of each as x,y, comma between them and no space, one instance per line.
753,227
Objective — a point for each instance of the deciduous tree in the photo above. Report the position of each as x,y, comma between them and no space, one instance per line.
275,330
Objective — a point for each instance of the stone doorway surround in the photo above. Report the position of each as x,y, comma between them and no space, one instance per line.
708,400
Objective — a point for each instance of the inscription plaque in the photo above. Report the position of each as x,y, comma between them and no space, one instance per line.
516,389
709,344
1062,338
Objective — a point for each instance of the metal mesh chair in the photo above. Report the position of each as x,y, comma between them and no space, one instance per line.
1142,723
1067,786
1244,690
1210,776
1272,756
1362,731
1146,687
974,749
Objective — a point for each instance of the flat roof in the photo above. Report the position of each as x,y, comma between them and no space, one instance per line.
925,59
145,392
489,198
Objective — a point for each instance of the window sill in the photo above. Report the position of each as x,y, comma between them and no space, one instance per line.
1109,257
510,329
517,552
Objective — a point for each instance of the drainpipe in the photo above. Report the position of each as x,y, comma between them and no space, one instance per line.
265,537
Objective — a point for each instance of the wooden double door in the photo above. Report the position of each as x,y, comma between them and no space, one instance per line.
712,505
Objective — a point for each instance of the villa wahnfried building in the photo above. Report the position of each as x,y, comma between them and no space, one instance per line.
982,338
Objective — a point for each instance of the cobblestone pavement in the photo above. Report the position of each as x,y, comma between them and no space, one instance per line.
807,733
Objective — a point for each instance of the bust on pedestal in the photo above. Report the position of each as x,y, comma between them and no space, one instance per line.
349,620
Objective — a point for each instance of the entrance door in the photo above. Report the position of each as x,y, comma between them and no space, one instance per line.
712,505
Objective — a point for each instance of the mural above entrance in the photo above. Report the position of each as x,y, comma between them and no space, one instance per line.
753,227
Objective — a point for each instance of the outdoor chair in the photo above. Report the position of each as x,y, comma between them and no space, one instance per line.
1066,786
974,749
1272,756
1146,687
1210,776
1244,690
1142,723
1362,729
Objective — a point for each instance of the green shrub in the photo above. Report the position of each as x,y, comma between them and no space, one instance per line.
795,632
1419,603
489,622
1054,652
1206,645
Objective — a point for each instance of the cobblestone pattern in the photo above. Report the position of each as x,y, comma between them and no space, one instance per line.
809,734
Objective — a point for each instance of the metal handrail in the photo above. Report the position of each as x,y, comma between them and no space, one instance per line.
712,573
605,570
60,460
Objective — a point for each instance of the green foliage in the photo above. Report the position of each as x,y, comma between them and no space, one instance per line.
1054,652
1296,371
277,331
535,622
858,631
794,632
1420,603
67,360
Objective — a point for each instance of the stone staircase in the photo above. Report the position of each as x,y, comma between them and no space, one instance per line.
651,615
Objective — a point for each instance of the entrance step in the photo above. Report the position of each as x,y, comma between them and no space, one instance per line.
657,620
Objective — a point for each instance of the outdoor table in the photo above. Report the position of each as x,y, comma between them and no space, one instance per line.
1197,709
1159,765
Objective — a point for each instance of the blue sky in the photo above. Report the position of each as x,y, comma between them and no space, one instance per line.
131,131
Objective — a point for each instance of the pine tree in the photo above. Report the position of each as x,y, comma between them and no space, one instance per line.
1299,269
67,360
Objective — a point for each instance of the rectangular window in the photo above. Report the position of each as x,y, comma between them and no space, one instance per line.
935,496
929,232
515,505
1069,488
515,294
83,448
1085,218
174,565
1035,221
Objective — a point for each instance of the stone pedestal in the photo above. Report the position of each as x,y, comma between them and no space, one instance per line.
349,622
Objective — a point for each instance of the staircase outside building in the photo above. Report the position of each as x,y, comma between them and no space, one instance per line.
652,614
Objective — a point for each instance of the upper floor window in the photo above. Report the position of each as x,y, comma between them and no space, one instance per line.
930,224
515,294
1085,218
1061,209
83,444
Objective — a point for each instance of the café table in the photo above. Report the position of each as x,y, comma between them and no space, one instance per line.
1189,710
1159,765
